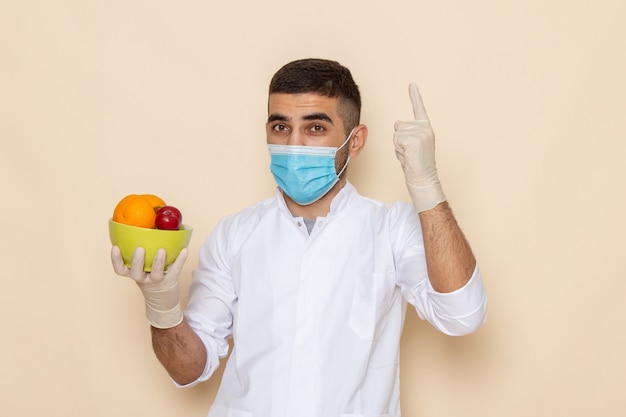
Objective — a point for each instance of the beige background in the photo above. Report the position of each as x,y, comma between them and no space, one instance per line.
103,99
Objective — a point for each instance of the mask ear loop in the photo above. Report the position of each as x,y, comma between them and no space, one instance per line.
344,167
347,139
347,160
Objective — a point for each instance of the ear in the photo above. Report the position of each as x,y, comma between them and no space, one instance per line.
357,142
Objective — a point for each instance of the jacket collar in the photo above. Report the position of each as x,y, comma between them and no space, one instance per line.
339,203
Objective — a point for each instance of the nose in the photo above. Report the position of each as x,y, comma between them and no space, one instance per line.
297,138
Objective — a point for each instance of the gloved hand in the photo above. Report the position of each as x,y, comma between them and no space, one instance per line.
160,287
415,149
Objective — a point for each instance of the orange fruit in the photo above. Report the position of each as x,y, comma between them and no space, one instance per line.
156,201
137,210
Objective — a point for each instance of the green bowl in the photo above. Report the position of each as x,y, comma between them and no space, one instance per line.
129,238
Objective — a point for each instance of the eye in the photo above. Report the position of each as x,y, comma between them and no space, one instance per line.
279,127
317,128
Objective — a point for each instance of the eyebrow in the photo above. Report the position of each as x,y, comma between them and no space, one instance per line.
313,116
319,116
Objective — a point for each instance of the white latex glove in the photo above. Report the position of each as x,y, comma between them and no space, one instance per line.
160,287
415,149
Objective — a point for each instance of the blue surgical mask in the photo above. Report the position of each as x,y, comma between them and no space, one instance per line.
305,173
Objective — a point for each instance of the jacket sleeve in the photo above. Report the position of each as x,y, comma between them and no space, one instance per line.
212,300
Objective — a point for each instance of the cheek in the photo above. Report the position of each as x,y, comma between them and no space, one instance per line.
341,158
276,138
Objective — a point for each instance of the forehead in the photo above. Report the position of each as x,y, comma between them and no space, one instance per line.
296,106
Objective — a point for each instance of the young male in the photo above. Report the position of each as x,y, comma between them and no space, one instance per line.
312,284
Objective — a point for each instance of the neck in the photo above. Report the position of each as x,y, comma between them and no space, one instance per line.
320,208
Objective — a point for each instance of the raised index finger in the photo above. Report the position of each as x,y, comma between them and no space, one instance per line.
416,100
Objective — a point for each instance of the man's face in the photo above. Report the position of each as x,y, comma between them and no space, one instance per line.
306,120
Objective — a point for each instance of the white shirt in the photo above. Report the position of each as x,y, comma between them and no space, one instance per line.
316,319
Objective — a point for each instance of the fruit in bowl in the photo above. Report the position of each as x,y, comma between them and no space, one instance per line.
168,218
136,222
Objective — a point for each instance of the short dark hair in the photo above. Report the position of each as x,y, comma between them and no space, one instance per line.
324,77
